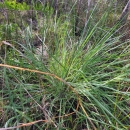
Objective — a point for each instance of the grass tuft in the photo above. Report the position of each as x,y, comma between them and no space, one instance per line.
52,79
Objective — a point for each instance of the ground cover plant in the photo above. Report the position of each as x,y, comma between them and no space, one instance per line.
63,70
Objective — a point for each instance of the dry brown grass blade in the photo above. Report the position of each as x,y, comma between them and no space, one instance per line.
7,43
22,125
58,78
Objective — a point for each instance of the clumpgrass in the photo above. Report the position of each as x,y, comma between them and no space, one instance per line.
83,84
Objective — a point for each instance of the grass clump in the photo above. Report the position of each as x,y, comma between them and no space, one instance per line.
74,82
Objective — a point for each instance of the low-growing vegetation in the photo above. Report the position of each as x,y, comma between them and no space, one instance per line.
64,65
